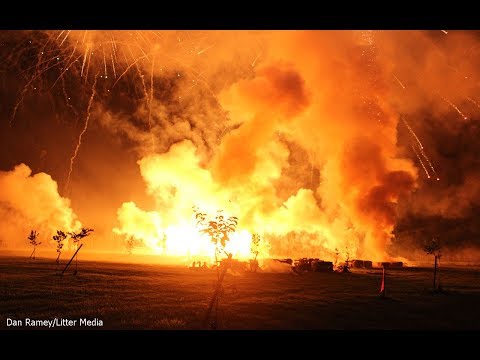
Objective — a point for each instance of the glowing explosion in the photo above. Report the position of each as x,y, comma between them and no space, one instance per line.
295,133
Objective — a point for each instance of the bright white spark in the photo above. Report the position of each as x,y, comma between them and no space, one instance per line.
398,80
150,105
412,132
209,47
473,101
254,61
65,38
455,107
421,162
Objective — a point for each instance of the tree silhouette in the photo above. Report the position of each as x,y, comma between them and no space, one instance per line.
433,247
131,243
255,249
59,239
77,238
33,241
219,230
336,256
346,267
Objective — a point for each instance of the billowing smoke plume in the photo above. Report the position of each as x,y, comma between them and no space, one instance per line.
318,140
31,203
287,101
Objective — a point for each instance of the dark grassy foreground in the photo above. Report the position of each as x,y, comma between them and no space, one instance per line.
133,296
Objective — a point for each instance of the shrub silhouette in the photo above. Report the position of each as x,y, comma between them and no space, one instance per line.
59,239
433,247
33,241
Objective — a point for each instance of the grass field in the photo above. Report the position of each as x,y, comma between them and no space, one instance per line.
139,296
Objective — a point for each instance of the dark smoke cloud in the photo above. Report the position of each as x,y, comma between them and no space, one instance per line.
328,104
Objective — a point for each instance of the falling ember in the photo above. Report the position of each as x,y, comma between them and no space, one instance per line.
412,132
421,162
428,161
65,38
255,60
60,34
150,101
473,102
84,60
455,107
105,62
399,82
420,148
201,51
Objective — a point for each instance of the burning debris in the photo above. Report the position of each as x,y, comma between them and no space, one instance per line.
317,265
361,264
308,265
312,265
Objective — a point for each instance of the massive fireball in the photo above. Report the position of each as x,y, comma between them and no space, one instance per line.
318,142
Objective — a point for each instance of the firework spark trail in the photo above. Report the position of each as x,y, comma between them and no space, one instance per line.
84,61
398,80
104,61
473,101
254,61
61,32
65,69
147,42
454,106
71,55
113,67
38,72
421,162
209,47
88,65
429,163
142,77
128,68
141,49
79,143
420,147
25,90
412,133
65,38
40,68
150,105
113,42
67,98
113,55
458,72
